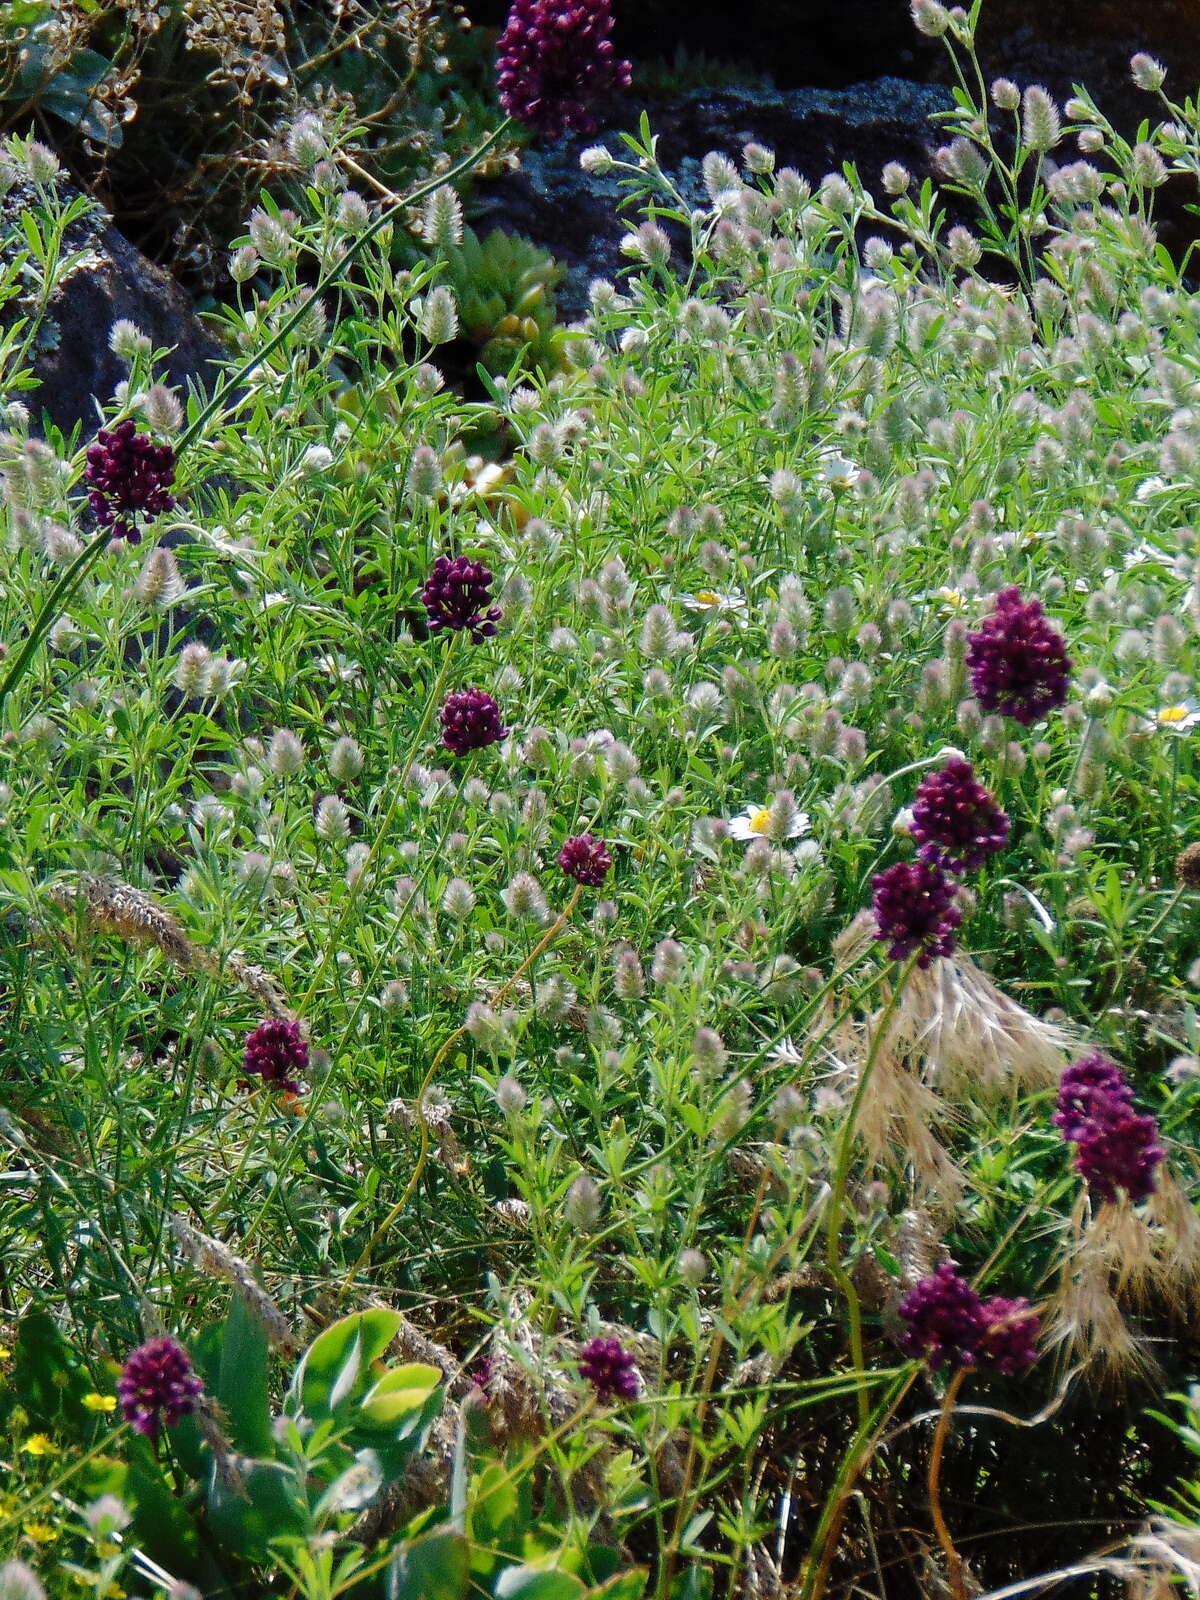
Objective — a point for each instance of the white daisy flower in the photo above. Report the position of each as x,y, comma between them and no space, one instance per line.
713,600
1178,719
754,821
838,472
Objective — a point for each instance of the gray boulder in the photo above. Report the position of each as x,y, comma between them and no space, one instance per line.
574,214
75,368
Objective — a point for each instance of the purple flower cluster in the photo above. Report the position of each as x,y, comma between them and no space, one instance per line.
458,595
914,911
957,825
470,720
555,60
947,1324
274,1050
586,859
1017,661
1115,1147
157,1385
129,475
609,1368
955,821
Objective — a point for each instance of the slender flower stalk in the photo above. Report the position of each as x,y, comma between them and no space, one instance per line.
836,1204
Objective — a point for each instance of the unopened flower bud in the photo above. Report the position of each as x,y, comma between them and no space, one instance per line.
582,1205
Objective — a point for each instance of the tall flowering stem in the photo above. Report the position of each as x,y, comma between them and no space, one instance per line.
90,554
954,1562
836,1205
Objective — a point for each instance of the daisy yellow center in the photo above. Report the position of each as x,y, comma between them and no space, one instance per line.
760,821
1173,714
708,597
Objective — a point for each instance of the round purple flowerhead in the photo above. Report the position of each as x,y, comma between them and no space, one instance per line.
914,911
556,60
1018,663
458,595
157,1386
609,1368
1115,1148
274,1051
1008,1343
586,859
129,476
955,821
470,720
943,1322
947,1324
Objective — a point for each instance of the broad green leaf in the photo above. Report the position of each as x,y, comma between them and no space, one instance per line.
536,1583
356,1341
400,1393
694,1583
500,1509
433,1567
625,1586
264,1506
242,1381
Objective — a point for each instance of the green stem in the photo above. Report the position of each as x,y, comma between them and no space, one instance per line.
841,1173
65,586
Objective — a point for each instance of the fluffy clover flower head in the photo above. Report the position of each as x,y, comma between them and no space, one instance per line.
955,821
1018,663
157,1385
555,60
1116,1148
470,720
586,859
914,911
457,595
609,1368
129,476
274,1050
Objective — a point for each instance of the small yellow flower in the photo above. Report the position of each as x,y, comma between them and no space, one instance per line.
40,1532
100,1402
5,1352
39,1444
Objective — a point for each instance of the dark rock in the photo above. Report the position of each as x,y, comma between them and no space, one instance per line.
832,43
1089,42
574,214
75,368
827,43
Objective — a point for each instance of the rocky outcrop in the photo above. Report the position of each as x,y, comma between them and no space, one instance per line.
575,215
75,369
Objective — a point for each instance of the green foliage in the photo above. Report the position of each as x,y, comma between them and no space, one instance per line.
739,543
504,286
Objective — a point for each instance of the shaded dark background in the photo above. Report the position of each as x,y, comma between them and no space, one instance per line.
832,43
